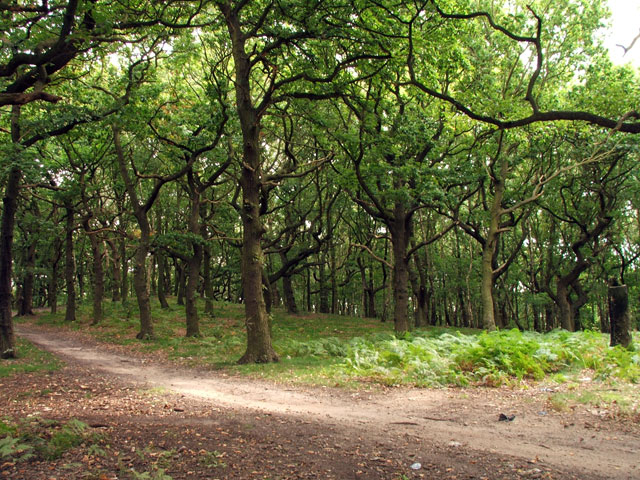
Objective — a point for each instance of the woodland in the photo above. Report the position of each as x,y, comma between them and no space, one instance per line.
444,163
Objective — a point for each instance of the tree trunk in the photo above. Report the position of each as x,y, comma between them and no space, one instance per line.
162,280
141,284
191,289
324,291
140,272
10,205
489,249
419,282
550,317
53,279
124,278
420,315
259,347
308,290
334,280
266,291
208,285
113,262
619,317
181,282
79,246
69,267
98,270
26,302
400,230
367,290
288,295
276,299
98,280
605,323
193,263
565,310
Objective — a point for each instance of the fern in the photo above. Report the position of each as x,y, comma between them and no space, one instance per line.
12,448
494,358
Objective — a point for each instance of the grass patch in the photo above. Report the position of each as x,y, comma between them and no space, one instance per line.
336,350
30,359
620,399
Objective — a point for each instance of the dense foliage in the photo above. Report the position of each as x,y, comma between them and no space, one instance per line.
444,164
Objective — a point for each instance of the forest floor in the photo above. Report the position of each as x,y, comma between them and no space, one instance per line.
157,420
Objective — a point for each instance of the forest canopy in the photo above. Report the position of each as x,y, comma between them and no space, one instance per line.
467,164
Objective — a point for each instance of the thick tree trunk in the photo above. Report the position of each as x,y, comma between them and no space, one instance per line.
10,205
141,285
619,318
489,249
259,347
565,311
400,230
140,272
141,280
69,267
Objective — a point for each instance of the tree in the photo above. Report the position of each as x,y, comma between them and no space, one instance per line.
280,51
395,165
587,205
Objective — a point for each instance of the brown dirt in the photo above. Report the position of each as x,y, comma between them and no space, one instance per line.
203,425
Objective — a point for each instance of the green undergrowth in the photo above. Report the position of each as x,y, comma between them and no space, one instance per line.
496,358
30,359
337,350
42,439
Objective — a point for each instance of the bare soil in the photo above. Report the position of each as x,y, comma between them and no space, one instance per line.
153,416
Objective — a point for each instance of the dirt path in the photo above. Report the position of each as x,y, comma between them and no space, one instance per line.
463,423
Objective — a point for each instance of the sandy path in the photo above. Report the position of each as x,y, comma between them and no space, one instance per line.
465,419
